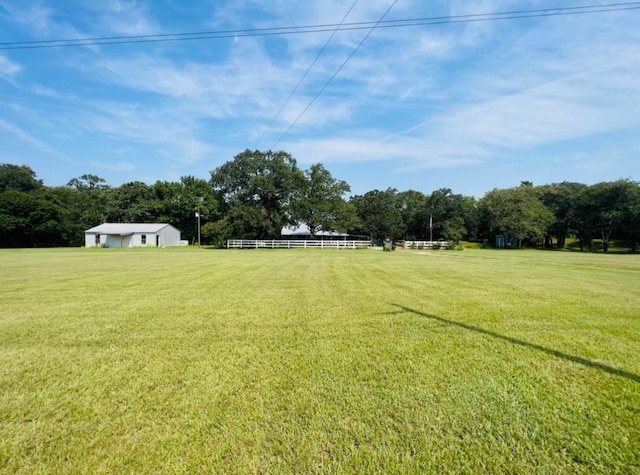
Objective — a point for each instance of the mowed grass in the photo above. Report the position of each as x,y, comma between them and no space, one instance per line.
276,361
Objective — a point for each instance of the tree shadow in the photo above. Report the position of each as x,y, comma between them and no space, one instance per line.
533,346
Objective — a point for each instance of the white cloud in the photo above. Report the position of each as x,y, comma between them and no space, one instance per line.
429,97
126,18
49,92
170,135
37,18
8,69
30,140
43,22
243,78
401,150
540,89
249,85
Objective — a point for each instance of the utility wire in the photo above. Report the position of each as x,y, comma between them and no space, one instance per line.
304,76
334,75
290,30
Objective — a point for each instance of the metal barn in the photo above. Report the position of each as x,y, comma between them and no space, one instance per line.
121,235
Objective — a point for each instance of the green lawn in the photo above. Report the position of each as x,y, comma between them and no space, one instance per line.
276,361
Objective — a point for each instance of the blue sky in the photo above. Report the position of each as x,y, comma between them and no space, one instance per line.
470,106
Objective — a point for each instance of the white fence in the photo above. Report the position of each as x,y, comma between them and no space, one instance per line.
294,244
428,244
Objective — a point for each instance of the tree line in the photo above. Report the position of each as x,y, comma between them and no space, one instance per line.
257,193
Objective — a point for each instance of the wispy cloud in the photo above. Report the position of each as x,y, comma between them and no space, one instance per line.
551,96
49,92
435,97
8,69
123,17
401,150
32,141
37,18
172,137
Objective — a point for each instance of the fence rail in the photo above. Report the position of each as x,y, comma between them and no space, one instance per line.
294,244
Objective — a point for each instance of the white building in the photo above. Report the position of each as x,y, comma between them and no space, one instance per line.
132,235
301,231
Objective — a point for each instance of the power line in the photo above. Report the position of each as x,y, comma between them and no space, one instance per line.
290,30
295,89
334,75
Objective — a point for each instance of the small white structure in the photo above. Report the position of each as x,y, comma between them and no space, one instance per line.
132,235
301,231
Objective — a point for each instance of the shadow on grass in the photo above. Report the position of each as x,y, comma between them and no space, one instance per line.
533,346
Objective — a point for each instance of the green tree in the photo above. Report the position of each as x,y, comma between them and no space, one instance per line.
86,203
177,203
216,233
88,182
27,220
606,209
631,223
18,177
27,217
132,202
74,213
380,214
452,215
320,204
561,200
256,190
413,208
516,212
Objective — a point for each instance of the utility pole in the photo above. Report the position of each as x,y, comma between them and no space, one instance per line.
431,228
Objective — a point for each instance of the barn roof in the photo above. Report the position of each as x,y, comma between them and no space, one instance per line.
127,228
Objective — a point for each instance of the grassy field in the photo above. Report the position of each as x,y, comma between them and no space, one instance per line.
214,361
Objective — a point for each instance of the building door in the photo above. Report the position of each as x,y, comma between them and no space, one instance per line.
157,241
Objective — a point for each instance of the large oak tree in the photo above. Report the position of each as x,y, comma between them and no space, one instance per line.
256,190
320,202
